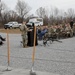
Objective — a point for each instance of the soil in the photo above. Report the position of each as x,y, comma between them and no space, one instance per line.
11,31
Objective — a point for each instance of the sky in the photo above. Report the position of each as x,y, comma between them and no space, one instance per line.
35,4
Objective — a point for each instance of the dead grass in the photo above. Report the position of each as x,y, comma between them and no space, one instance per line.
11,31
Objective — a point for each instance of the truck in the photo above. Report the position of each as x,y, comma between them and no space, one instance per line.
36,21
11,25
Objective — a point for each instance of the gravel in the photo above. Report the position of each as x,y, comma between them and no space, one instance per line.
56,57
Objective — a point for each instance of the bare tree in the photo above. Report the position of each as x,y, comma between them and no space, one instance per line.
10,16
22,9
3,7
71,13
52,16
41,12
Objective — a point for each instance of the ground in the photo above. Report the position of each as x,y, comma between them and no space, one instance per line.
58,58
12,31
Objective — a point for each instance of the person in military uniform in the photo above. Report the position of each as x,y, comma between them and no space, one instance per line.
24,30
58,32
71,23
50,31
74,29
51,35
45,38
69,31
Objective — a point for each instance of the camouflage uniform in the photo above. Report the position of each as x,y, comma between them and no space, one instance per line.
63,31
24,30
51,32
69,31
58,30
74,29
45,39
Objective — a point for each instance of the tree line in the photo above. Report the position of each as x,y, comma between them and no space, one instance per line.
22,9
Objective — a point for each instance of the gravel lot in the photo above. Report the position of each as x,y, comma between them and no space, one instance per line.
56,58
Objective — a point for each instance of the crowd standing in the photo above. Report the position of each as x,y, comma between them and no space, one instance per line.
57,30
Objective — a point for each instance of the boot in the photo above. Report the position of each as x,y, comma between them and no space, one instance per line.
26,46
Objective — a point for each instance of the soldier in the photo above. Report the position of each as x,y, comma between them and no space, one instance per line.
50,31
24,29
71,24
69,31
45,39
58,30
51,34
74,29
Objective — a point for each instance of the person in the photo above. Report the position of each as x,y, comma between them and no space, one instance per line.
24,29
1,40
31,36
58,30
38,30
74,29
42,33
45,38
71,24
68,31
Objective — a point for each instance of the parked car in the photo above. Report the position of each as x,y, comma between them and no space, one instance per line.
12,25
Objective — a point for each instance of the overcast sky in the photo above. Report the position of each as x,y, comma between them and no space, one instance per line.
35,4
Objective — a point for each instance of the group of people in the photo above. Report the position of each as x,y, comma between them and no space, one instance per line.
57,31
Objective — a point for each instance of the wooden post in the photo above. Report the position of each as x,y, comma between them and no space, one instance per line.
8,48
32,72
33,54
